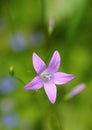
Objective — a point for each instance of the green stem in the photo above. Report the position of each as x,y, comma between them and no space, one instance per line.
20,80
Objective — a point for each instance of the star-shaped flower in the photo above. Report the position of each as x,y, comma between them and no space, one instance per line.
48,76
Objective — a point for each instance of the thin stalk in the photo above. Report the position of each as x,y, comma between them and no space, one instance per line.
20,80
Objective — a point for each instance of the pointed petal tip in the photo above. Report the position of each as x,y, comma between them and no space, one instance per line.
38,63
35,84
72,76
34,54
57,52
54,62
26,88
51,92
53,101
62,78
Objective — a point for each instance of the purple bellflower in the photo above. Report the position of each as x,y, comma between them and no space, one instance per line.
18,42
48,76
8,84
37,38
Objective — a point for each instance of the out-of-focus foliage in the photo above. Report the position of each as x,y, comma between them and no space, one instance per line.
24,30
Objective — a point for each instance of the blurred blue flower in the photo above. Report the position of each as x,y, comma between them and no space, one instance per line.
11,120
37,38
18,42
8,84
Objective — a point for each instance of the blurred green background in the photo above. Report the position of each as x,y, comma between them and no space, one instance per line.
24,30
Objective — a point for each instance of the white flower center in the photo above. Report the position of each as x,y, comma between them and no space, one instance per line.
45,76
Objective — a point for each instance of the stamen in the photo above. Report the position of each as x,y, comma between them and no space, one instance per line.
46,76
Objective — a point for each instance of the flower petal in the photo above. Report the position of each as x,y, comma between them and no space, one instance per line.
55,62
62,78
36,83
38,64
51,91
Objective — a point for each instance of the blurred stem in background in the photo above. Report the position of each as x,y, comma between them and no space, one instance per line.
10,16
52,120
43,13
49,34
73,30
75,23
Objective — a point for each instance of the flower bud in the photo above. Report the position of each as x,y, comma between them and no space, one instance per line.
11,70
51,25
75,91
